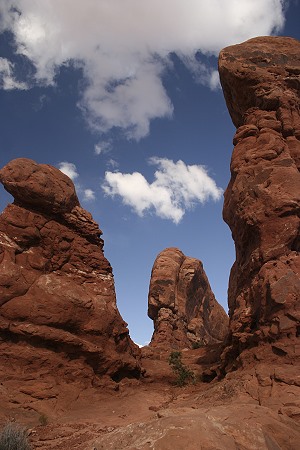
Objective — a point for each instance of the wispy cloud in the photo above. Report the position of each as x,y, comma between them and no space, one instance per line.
177,187
124,47
89,195
7,79
202,73
102,147
41,102
112,164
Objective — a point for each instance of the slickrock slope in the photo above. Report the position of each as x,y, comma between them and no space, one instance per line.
59,323
213,428
261,84
182,304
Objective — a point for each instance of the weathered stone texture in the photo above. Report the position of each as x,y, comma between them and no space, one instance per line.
261,84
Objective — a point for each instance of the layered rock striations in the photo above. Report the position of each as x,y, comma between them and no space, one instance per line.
261,84
182,304
58,313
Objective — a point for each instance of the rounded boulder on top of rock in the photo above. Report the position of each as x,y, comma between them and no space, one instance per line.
40,186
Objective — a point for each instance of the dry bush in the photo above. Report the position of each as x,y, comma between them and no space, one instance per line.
14,437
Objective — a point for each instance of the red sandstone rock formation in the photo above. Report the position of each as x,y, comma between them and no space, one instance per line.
181,303
261,84
256,407
58,314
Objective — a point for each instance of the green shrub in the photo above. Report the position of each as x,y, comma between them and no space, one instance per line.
196,345
43,419
183,373
14,437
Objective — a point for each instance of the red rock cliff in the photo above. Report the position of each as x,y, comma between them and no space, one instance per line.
58,314
182,304
260,80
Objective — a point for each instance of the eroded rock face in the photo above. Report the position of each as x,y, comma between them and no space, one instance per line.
58,314
182,304
261,84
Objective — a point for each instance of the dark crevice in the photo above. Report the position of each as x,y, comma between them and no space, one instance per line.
290,212
295,246
125,372
278,351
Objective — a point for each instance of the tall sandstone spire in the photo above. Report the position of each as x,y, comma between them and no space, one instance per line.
260,80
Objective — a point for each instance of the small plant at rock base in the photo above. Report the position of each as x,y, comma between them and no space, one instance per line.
183,373
14,437
196,345
43,419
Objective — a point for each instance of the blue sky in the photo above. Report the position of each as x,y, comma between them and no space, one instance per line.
123,96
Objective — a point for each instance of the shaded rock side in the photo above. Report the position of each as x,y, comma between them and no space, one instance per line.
58,313
261,84
182,304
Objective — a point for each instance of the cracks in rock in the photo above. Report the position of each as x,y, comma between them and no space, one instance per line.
59,218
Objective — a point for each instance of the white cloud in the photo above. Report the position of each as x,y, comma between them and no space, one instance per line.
7,80
214,80
88,195
142,345
123,47
176,188
68,169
